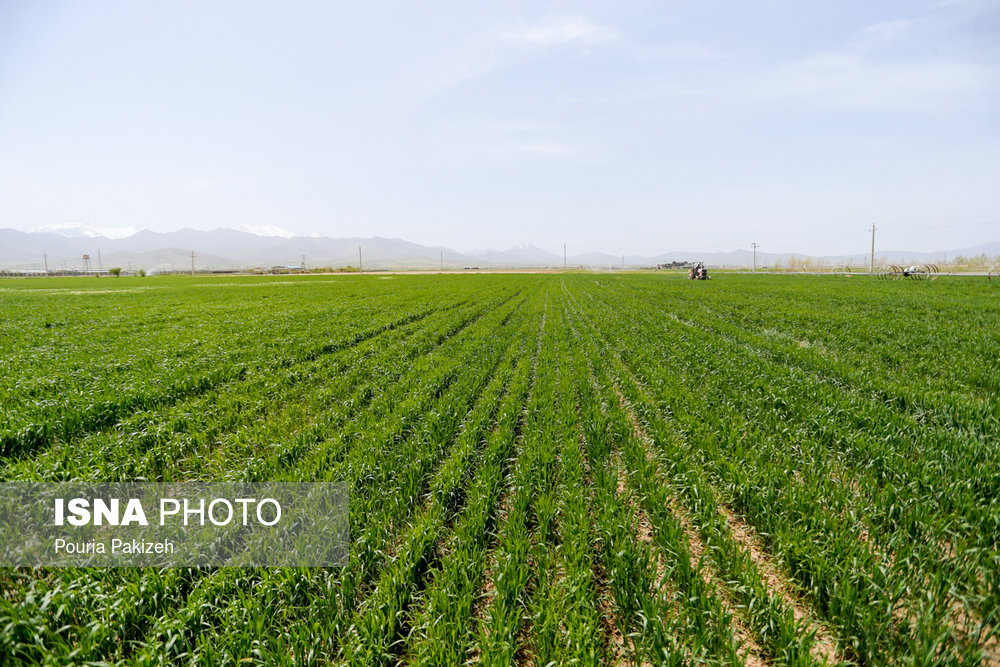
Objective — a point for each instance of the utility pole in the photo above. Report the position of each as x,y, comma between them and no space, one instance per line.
623,261
871,268
564,255
46,256
361,266
100,264
442,260
192,262
303,262
754,245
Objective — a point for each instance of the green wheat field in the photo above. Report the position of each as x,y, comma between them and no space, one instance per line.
544,468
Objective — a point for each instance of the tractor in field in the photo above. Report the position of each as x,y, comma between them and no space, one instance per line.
698,272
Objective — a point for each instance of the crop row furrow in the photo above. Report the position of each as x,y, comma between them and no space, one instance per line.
851,590
110,624
910,532
64,423
372,638
499,629
442,632
374,517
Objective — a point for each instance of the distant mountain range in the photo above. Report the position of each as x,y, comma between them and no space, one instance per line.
250,247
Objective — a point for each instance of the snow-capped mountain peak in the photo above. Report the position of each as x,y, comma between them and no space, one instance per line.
73,231
266,230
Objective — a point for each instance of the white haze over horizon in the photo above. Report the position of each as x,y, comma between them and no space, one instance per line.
270,231
620,127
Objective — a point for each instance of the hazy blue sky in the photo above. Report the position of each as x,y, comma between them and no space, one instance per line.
620,126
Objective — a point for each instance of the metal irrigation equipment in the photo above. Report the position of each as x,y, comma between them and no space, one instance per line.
913,272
